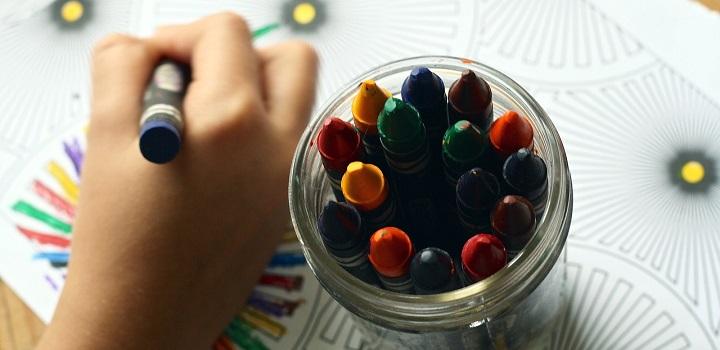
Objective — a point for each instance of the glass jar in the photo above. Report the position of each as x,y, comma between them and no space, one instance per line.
512,309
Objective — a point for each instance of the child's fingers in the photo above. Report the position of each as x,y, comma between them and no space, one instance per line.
219,49
289,73
121,67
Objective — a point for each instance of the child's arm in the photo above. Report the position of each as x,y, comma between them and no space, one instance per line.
163,255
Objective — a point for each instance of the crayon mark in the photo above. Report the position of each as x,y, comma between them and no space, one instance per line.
71,14
239,332
304,15
75,153
61,176
44,238
261,322
222,343
264,30
52,283
286,282
54,199
273,305
37,214
57,258
287,259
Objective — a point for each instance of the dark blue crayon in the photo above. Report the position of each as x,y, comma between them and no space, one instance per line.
476,194
287,259
525,174
433,271
161,123
341,230
425,91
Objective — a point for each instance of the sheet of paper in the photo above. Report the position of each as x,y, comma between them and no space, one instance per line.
684,33
643,269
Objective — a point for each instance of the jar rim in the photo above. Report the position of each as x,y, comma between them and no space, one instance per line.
474,303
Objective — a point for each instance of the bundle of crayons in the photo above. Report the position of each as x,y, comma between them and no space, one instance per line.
430,172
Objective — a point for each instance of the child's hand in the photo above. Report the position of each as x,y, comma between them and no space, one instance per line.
163,255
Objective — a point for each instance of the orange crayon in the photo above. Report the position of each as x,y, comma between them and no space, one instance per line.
509,133
366,188
391,251
366,107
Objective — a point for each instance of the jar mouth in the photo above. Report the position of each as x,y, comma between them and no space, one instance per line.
469,305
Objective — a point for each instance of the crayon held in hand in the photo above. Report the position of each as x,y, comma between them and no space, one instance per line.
342,232
432,271
366,107
366,188
391,251
161,123
482,255
339,145
470,98
525,174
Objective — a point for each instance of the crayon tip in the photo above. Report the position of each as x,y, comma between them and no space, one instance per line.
470,94
422,87
513,220
525,171
482,255
364,186
367,105
432,269
340,224
400,126
390,251
159,141
339,143
463,142
478,189
509,133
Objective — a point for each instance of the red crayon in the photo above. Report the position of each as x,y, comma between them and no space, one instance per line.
339,144
482,255
513,221
470,98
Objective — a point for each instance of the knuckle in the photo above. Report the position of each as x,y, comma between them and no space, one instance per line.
112,40
241,105
304,51
229,20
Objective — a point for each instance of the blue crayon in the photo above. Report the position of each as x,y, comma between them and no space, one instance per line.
345,238
425,91
161,123
287,259
433,271
476,194
525,174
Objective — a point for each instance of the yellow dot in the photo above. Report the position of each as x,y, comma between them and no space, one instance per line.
304,13
72,11
692,172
